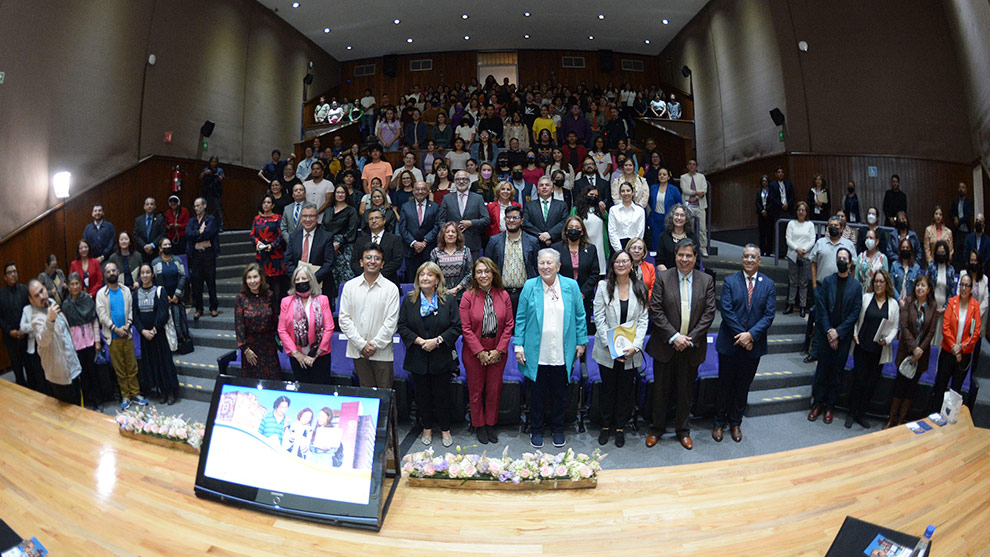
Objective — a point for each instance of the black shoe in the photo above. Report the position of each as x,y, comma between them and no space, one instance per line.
603,436
163,399
849,421
620,438
810,359
483,435
862,422
492,436
789,309
171,400
803,313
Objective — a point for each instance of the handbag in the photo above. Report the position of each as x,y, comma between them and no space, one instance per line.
908,368
173,342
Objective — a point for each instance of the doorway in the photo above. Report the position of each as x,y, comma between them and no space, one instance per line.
501,65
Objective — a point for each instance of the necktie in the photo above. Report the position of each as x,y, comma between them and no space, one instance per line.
592,181
374,238
419,209
305,251
295,214
749,292
546,209
462,201
693,189
147,227
685,305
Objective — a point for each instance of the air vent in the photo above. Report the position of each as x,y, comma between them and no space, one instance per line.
423,65
365,70
632,65
572,61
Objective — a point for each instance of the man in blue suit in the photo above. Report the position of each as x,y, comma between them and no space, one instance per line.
977,241
551,334
418,227
749,300
838,300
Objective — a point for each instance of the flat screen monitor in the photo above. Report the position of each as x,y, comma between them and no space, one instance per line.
316,452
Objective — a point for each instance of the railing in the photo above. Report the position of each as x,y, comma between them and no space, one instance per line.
820,227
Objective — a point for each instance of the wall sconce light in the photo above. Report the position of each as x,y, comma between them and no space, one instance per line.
60,183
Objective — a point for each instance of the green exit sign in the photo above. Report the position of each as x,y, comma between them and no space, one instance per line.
206,144
780,135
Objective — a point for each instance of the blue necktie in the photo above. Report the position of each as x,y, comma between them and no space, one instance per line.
148,226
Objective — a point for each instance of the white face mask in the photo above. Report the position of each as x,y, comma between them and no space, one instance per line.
871,218
871,243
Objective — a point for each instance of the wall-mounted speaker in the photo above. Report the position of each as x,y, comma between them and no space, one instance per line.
207,129
389,64
777,116
308,80
606,62
685,71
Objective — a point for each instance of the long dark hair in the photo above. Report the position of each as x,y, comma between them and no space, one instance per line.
581,205
638,286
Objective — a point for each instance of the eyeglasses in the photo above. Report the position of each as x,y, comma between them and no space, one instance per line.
461,179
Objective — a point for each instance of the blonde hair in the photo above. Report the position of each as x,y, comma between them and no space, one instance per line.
441,285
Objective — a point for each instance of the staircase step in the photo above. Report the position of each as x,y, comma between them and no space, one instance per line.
214,338
779,371
779,401
223,321
196,388
234,236
240,260
790,324
781,344
202,362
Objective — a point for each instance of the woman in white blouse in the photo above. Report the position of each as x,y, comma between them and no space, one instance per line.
626,220
603,159
800,237
641,190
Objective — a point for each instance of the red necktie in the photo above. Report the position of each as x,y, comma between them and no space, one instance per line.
749,292
305,252
420,211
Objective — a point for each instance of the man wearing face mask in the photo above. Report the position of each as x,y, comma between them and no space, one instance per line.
961,217
524,190
850,203
903,232
544,216
837,304
894,201
113,309
823,264
977,240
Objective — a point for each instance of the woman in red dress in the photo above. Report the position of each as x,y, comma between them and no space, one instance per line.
270,249
255,325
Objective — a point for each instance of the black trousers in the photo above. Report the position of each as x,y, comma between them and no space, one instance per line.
433,400
412,264
316,374
17,352
203,268
766,234
213,206
735,375
618,394
36,375
68,393
89,379
514,298
550,387
673,380
948,370
866,373
279,286
828,376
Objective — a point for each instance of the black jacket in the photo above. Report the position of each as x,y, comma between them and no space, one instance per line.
445,322
321,254
588,272
391,244
142,237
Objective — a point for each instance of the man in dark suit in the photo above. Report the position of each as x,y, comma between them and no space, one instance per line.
618,127
767,210
590,179
524,190
149,229
418,227
961,215
749,300
679,340
468,210
838,300
390,244
977,241
312,244
544,216
514,253
786,203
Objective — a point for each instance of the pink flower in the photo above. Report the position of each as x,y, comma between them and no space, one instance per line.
546,471
407,467
148,428
585,471
561,470
429,470
470,470
524,473
454,470
121,418
181,433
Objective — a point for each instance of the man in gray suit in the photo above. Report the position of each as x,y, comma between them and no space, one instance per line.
679,341
292,216
468,210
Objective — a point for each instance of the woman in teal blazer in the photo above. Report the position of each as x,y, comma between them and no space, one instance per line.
549,381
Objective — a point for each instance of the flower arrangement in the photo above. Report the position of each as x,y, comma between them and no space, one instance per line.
532,467
147,421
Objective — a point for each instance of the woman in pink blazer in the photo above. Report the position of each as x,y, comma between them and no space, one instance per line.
486,323
305,326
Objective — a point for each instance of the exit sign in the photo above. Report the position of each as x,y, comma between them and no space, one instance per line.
2,74
780,135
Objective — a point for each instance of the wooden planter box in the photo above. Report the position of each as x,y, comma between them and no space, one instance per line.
185,447
492,484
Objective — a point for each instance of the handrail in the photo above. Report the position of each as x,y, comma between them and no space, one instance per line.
820,226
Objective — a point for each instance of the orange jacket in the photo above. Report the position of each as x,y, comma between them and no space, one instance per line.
971,329
649,276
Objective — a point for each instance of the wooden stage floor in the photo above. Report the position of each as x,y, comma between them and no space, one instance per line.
68,477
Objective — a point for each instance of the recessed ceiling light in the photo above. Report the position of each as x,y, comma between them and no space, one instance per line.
349,47
396,21
464,16
526,36
666,21
527,14
295,4
647,41
591,37
466,37
409,40
601,16
326,29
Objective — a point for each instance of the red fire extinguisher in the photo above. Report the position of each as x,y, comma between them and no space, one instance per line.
177,174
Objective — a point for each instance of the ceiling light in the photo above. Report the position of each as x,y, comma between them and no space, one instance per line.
349,47
647,41
396,21
526,36
326,29
464,16
601,16
666,21
591,37
466,37
409,40
527,14
295,4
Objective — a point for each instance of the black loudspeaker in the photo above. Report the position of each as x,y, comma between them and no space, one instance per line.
389,64
605,61
777,116
685,71
308,80
207,129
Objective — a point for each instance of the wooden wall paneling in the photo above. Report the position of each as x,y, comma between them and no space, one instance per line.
676,150
350,133
733,191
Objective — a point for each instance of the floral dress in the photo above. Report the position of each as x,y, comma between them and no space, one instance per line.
254,323
266,230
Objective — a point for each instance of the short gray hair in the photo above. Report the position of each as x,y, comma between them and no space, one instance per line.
551,252
309,205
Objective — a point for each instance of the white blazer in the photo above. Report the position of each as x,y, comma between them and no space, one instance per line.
607,315
700,184
893,314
